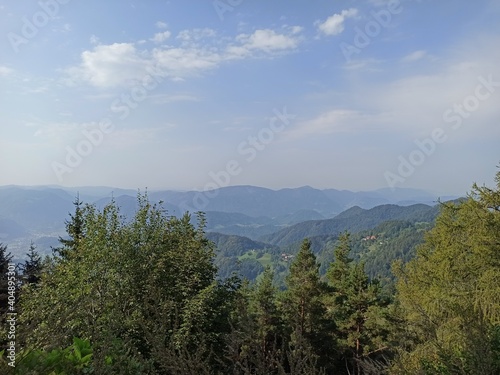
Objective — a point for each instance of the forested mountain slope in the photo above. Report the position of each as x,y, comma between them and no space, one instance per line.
353,220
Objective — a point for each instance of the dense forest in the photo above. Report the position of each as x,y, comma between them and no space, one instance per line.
145,295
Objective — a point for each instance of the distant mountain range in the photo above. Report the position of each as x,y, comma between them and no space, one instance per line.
277,217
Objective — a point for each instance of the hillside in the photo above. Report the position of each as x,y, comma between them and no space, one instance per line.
353,220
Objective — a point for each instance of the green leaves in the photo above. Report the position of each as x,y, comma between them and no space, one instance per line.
450,292
72,360
148,282
82,352
358,309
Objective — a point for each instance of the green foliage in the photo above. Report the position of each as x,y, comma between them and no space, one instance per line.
450,292
75,228
72,360
149,283
358,308
352,220
304,310
32,267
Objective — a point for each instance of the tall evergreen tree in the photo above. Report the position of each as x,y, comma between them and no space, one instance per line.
268,334
304,310
266,312
75,229
32,267
358,309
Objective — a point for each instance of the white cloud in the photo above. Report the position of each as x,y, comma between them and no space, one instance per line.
181,62
334,24
264,40
4,71
268,40
161,25
109,65
122,64
296,29
161,37
414,56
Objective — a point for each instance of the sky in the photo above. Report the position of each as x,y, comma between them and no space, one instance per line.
200,94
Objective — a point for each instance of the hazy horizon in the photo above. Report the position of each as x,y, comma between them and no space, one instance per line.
158,189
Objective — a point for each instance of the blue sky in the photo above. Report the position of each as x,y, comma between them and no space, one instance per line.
199,94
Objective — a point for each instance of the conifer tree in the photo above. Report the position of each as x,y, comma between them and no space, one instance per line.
32,267
304,310
75,229
358,309
268,334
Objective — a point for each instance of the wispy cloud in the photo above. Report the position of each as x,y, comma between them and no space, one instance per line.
334,121
5,71
122,64
334,24
265,41
195,35
161,25
161,37
94,40
414,56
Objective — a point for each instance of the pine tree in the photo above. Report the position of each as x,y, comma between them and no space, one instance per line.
32,267
268,322
75,229
304,310
358,309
